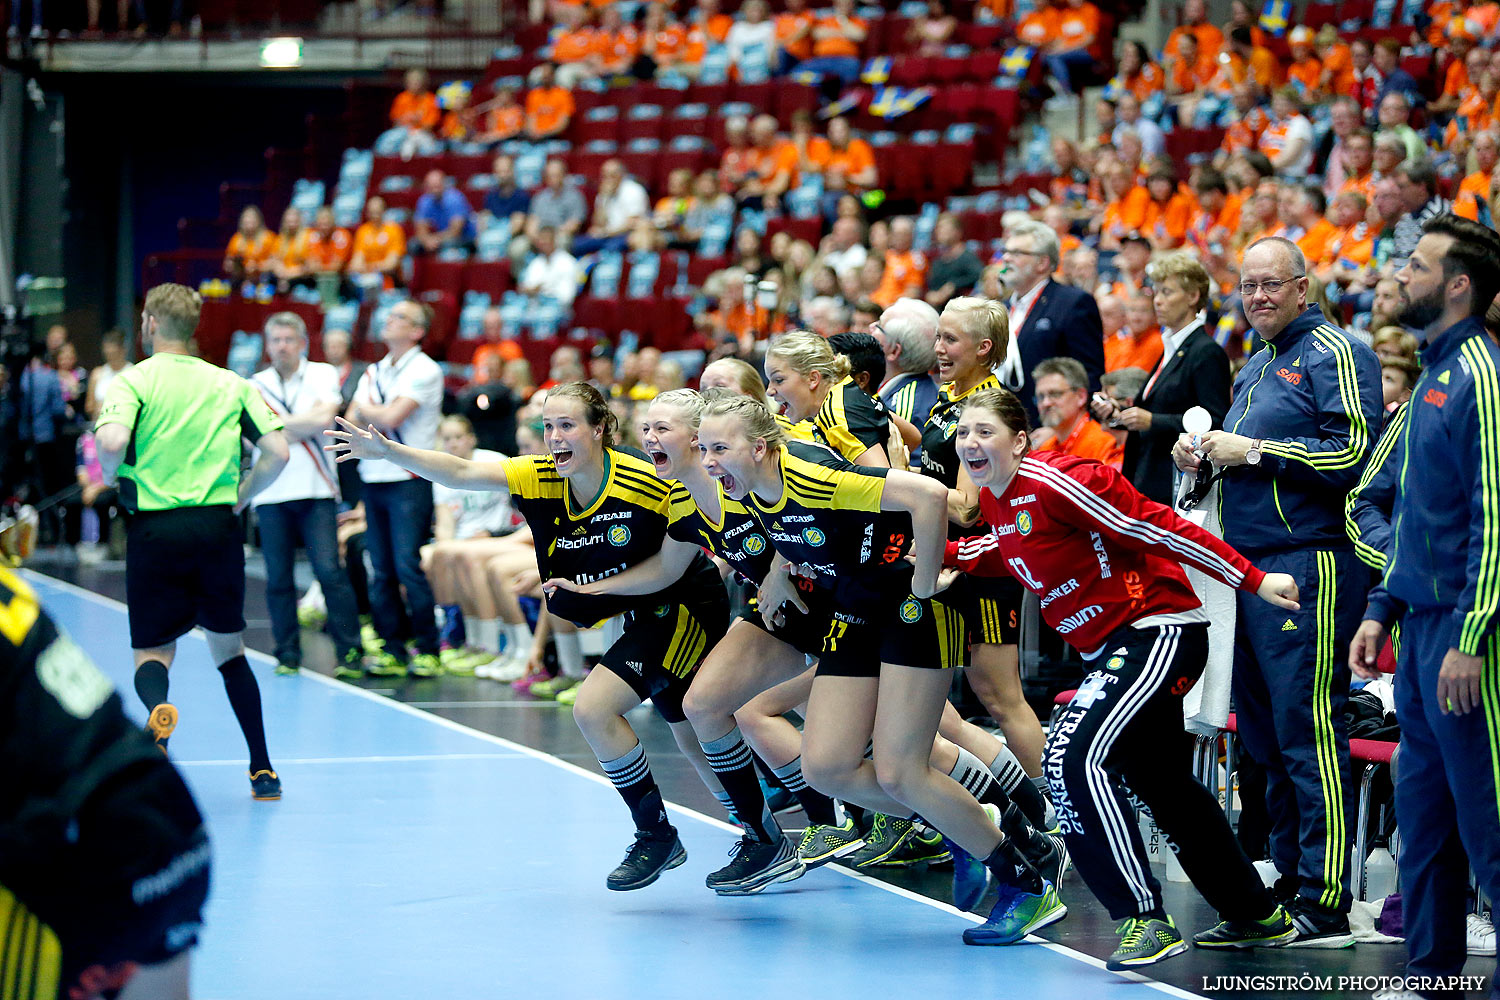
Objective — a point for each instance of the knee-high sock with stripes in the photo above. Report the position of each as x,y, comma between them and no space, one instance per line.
631,776
970,772
732,761
1021,789
819,807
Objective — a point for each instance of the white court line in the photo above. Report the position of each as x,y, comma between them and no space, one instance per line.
353,760
478,704
558,762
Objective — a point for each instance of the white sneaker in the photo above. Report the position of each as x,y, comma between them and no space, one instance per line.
507,668
1481,934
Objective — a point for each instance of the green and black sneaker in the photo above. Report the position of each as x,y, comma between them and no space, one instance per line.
288,669
384,665
1272,932
351,668
897,843
822,843
1145,941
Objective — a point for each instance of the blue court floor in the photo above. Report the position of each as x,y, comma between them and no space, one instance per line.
413,857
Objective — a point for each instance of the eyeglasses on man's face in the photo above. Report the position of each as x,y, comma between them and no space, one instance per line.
1271,287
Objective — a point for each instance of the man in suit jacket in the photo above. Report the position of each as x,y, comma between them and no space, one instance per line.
1194,371
1047,319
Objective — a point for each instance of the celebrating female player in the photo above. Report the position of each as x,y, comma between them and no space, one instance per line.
1105,561
596,511
972,336
812,383
850,530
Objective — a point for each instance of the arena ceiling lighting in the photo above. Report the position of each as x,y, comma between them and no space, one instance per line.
281,53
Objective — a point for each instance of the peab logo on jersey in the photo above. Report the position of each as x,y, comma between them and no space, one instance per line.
754,545
1023,522
1114,663
911,611
813,537
619,535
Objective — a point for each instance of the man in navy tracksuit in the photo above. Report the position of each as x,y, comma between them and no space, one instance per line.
1444,576
1297,435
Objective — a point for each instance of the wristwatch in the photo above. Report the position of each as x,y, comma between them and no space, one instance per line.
1252,457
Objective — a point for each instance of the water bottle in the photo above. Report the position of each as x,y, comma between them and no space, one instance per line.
1380,873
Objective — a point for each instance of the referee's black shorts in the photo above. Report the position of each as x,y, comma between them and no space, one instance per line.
184,567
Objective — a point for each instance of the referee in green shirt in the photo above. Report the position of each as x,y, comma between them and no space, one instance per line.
170,428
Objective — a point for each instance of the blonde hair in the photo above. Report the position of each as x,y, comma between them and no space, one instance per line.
687,401
175,309
806,353
596,410
754,419
461,422
1405,342
1186,270
746,379
983,319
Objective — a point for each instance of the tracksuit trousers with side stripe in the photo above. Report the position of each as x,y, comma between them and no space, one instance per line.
1447,806
1291,680
1122,739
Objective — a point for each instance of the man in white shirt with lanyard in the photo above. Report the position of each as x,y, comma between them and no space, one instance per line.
402,395
302,504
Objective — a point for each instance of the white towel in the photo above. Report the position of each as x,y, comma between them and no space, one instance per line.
1205,709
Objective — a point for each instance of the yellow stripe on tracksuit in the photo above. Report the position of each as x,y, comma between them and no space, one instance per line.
686,647
1325,657
1368,554
951,634
30,954
1489,697
1479,620
1359,431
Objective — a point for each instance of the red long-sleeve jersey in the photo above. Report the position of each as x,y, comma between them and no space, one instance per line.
1098,554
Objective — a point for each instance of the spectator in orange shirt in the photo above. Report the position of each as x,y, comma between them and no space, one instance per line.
1168,211
836,41
1136,73
1062,387
250,248
1130,264
905,275
1138,343
496,344
1344,116
1359,157
378,248
1189,74
1072,51
1336,79
504,119
291,243
617,46
327,248
1472,199
773,166
931,31
1056,218
1125,204
1310,208
663,44
414,120
1475,115
1352,244
794,28
549,107
1306,71
1039,28
714,25
1250,121
1457,80
1216,219
575,51
1242,15
1209,39
846,163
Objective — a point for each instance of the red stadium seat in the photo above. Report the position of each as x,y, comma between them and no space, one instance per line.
583,132
911,71
793,97
1319,14
641,128
699,268
489,276
689,159
461,352
984,66
643,167
461,168
445,277
757,95
712,94
809,230
597,314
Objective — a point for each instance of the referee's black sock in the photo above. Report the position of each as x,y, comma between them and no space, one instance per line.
151,683
244,698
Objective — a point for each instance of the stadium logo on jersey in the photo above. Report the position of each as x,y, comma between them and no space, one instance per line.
754,545
619,535
1023,522
814,537
911,611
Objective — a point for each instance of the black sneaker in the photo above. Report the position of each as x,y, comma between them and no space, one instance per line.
265,786
647,858
1317,926
1284,889
1145,941
756,864
1272,932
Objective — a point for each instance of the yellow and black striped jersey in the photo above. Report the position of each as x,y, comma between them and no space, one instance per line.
851,421
623,526
939,452
737,536
830,519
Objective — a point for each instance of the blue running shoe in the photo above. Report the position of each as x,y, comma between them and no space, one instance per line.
1016,914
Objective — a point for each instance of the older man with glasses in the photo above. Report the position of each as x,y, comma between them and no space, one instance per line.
1047,319
1304,414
